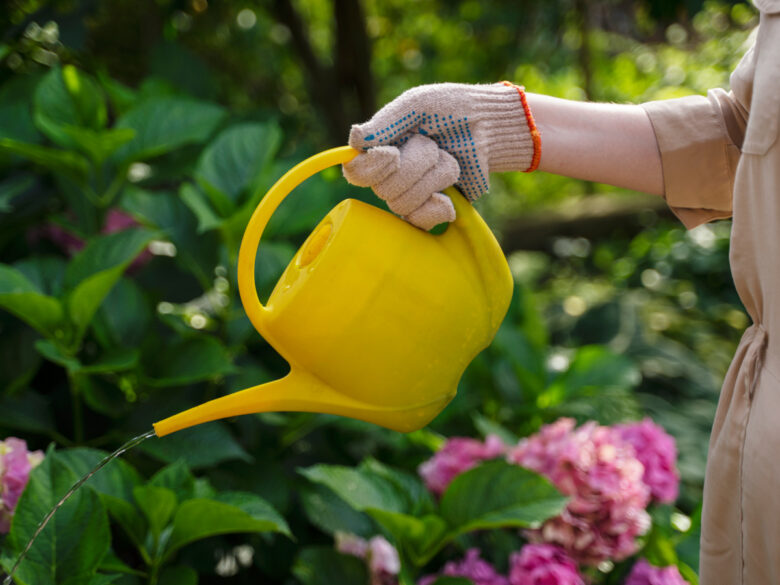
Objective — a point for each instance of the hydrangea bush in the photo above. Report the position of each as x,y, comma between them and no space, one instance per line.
612,477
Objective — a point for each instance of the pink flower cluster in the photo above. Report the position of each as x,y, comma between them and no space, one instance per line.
16,462
611,474
459,454
472,567
381,556
543,564
658,453
643,573
535,564
601,473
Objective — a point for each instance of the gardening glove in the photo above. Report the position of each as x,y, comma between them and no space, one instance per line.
486,128
408,178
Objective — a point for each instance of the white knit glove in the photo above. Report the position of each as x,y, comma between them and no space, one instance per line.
486,128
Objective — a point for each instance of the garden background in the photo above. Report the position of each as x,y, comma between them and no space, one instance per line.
136,136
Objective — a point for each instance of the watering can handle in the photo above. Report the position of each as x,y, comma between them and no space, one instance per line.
257,223
255,310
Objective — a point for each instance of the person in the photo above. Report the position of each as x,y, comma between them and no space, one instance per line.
710,157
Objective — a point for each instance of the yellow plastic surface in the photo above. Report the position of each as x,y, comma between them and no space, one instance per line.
377,319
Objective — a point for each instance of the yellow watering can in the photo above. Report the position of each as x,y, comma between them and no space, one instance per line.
378,319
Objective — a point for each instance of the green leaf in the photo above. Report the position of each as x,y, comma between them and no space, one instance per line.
126,515
45,272
94,271
124,317
166,211
157,504
324,566
447,580
98,145
67,163
331,514
177,478
117,478
200,446
73,544
113,564
13,186
53,353
498,494
421,538
200,518
233,160
163,124
68,97
418,497
22,298
358,488
15,112
597,385
114,360
189,360
200,206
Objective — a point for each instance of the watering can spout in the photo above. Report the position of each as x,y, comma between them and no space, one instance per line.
299,391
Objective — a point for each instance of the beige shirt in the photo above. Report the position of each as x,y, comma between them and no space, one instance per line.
721,158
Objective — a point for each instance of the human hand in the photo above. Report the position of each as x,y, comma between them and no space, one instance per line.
484,127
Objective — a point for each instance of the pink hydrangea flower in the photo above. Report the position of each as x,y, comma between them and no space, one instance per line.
601,473
644,573
658,453
459,454
381,557
16,463
543,564
472,567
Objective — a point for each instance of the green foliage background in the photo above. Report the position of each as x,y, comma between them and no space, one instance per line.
181,114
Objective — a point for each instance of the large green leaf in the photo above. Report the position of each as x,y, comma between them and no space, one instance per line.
163,124
200,206
70,164
157,504
22,298
200,518
198,253
73,544
421,538
498,494
117,478
325,566
68,97
234,159
200,446
93,272
189,360
331,514
124,316
359,488
16,119
45,272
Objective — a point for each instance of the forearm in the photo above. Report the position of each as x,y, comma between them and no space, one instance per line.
605,143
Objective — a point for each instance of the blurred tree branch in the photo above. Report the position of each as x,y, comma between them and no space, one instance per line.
343,93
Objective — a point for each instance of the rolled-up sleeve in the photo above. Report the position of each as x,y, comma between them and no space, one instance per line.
699,139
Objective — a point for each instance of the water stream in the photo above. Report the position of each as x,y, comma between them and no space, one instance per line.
129,445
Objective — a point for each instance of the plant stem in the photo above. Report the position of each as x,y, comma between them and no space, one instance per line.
78,414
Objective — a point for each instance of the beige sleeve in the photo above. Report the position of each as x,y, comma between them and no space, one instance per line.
699,139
